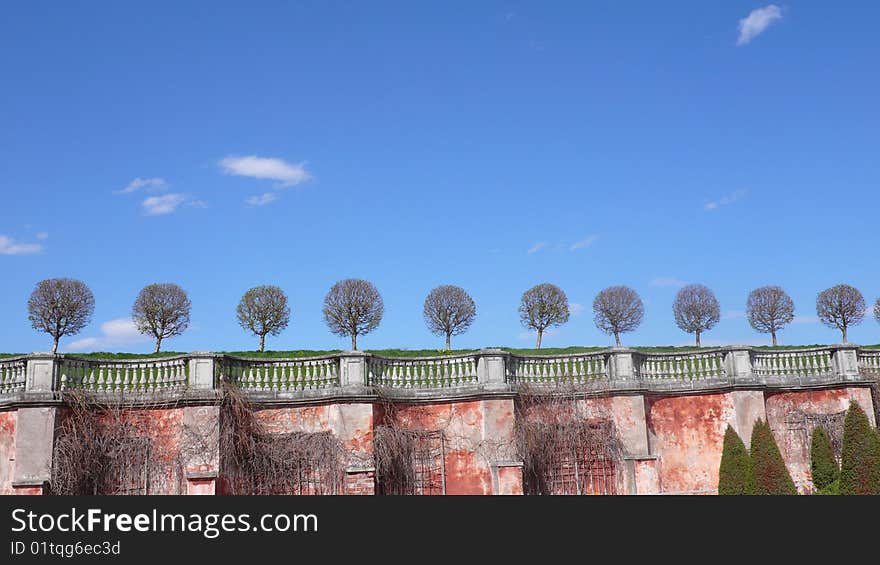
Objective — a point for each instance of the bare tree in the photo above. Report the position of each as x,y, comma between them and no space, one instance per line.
696,309
60,307
769,309
877,310
263,310
449,311
840,307
543,306
618,309
353,307
162,311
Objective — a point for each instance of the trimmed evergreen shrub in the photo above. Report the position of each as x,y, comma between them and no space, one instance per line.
860,454
771,475
832,489
823,464
735,474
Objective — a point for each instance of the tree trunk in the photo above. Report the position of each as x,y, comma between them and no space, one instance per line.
540,334
55,346
843,329
448,342
354,342
617,338
698,338
262,342
158,344
773,333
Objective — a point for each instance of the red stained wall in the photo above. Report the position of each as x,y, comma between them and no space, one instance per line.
794,440
7,450
687,433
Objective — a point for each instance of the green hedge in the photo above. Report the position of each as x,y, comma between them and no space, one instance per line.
823,464
735,475
860,454
771,475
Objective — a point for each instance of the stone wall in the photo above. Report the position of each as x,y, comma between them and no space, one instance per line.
668,412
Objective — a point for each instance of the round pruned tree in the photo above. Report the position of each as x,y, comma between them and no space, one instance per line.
771,474
841,307
161,310
696,309
449,311
618,309
263,311
823,465
353,307
60,307
877,310
543,306
735,475
769,309
859,454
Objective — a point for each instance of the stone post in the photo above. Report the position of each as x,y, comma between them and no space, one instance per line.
34,438
845,362
738,365
353,369
41,372
621,366
492,368
202,370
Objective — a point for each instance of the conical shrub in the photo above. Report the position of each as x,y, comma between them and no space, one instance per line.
860,454
735,475
771,475
823,464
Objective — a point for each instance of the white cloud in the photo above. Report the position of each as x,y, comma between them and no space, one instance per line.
9,246
116,333
288,174
43,235
168,203
727,199
667,282
537,247
732,314
576,309
262,199
805,320
756,22
586,242
154,183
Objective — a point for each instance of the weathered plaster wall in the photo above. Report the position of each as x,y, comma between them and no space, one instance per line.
462,423
794,439
352,423
686,434
7,450
672,443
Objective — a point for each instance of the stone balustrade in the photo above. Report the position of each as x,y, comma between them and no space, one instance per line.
269,375
490,370
13,374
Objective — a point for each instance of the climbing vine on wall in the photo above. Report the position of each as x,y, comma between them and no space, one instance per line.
565,450
102,448
254,461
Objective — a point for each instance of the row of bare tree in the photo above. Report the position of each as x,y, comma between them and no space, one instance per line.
354,307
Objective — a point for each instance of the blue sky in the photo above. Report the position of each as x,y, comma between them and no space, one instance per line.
492,145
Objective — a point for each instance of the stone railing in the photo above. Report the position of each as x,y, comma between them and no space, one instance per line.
696,365
271,375
42,376
13,374
869,361
422,372
559,369
814,362
123,376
